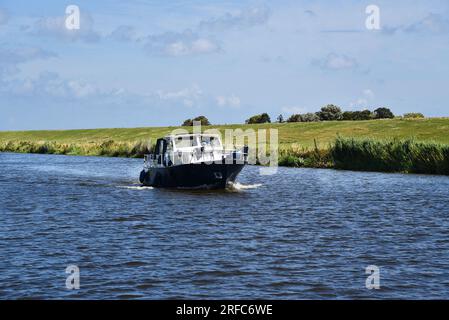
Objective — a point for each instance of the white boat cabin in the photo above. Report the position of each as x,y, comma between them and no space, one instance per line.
187,149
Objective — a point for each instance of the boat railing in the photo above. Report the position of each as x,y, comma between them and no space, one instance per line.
197,155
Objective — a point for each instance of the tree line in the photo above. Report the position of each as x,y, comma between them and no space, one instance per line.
327,113
333,113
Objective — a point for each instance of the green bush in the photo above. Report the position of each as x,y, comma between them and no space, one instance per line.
202,119
260,118
294,118
358,115
310,117
290,161
413,115
383,113
330,113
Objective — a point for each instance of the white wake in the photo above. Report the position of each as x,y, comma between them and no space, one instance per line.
238,186
136,187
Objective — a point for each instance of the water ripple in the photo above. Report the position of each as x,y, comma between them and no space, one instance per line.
299,234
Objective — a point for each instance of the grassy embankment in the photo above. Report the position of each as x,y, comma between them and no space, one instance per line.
397,145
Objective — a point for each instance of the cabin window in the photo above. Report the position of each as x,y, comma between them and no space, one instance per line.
214,142
170,146
161,147
186,142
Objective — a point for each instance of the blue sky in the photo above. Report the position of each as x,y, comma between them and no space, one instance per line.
156,63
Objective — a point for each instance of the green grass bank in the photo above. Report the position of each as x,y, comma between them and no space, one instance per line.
397,145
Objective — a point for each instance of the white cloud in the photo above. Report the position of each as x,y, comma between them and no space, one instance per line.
55,27
124,33
228,101
368,93
187,96
359,103
243,19
11,58
335,61
294,110
432,23
363,101
180,44
198,41
198,46
81,88
203,46
50,84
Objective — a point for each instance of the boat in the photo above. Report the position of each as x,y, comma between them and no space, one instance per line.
192,161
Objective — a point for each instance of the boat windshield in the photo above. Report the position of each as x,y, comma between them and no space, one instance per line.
192,141
186,142
211,141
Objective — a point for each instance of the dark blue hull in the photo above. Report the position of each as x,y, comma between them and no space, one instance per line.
192,176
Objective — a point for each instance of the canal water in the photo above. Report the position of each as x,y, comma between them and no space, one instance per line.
297,234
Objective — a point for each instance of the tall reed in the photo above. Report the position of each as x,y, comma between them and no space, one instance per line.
408,156
106,148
